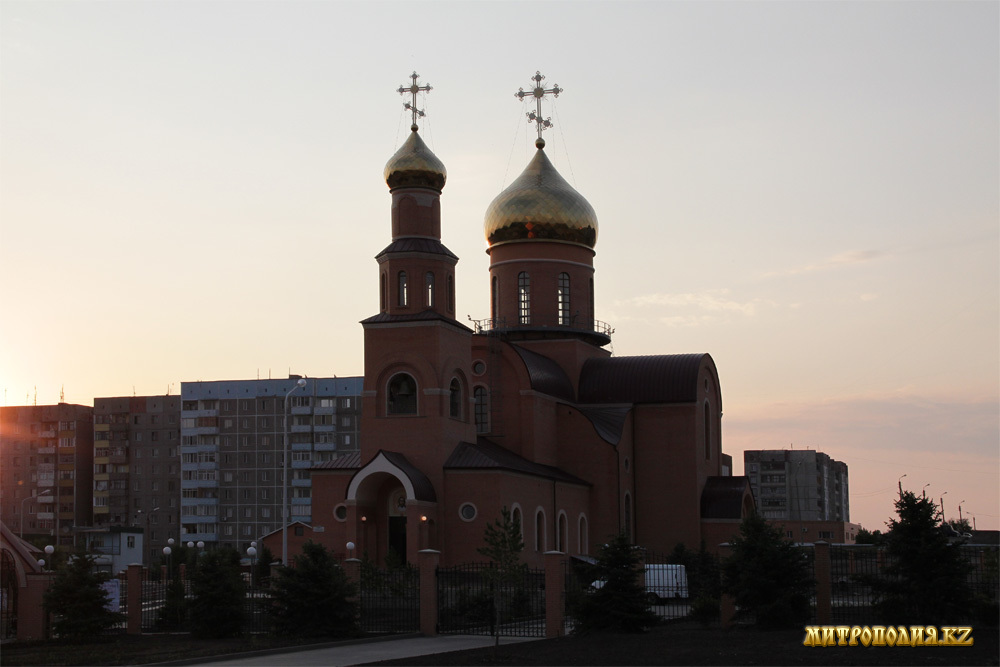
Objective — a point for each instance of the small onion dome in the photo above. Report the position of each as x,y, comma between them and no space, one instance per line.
415,166
541,205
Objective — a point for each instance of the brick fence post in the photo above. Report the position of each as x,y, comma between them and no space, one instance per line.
32,619
133,593
823,583
555,594
427,562
727,604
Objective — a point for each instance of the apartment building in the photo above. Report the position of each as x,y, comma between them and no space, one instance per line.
232,445
137,468
47,454
798,484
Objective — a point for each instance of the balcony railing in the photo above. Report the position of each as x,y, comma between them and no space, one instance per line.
575,323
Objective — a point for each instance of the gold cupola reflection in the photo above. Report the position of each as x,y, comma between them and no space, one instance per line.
540,205
415,166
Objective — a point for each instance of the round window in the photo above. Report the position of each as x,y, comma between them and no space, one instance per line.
467,511
479,368
340,512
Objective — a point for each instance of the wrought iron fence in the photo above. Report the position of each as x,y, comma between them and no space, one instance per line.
474,599
389,599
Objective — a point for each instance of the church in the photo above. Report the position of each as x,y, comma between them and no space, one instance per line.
526,410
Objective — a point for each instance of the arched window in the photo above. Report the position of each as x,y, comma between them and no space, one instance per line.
562,535
562,297
591,304
494,295
539,530
628,516
451,294
402,395
455,399
524,298
429,289
583,537
708,432
482,408
403,300
515,517
382,300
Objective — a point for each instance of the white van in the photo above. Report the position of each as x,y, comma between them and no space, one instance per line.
662,581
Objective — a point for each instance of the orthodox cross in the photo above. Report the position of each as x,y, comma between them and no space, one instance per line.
538,92
413,89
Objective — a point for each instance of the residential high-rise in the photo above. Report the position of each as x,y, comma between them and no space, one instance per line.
798,484
137,467
47,451
232,443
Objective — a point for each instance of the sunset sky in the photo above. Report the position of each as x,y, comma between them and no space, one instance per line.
808,191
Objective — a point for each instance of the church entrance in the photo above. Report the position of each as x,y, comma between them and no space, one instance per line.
397,538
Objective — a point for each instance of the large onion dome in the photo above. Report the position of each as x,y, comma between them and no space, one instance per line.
415,166
541,205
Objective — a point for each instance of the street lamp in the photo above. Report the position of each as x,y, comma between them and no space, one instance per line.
285,509
47,494
900,483
166,553
252,553
49,550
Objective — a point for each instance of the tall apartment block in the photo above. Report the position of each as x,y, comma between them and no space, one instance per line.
47,451
798,485
137,471
232,444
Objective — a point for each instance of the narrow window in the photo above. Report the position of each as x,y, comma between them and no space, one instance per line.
591,304
494,295
628,517
562,296
451,294
402,398
382,300
515,517
708,433
402,288
455,399
563,535
482,410
583,538
539,531
429,288
524,298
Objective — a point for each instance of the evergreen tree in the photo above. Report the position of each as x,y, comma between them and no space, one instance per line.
924,579
767,575
262,575
172,616
315,598
77,601
503,547
618,602
217,609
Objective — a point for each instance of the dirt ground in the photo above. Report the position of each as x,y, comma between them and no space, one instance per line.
674,644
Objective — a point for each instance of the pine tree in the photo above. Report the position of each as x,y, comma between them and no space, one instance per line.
503,547
618,602
217,609
767,575
172,616
315,598
77,601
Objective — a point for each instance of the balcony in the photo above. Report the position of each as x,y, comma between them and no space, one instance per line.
593,331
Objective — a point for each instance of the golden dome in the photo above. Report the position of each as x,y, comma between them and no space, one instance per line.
541,205
415,166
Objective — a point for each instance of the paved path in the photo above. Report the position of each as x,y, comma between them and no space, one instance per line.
360,653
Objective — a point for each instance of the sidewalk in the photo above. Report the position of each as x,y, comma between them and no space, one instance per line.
359,653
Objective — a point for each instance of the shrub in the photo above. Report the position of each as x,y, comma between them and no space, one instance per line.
315,598
619,604
217,609
77,601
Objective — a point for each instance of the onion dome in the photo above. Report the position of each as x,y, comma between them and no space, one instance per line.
415,166
541,205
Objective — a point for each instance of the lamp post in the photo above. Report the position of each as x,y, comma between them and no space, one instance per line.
941,500
285,509
166,553
252,553
899,482
49,550
35,497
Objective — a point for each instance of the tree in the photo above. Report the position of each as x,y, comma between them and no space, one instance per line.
767,575
217,609
173,614
866,536
315,598
262,575
77,601
617,602
960,526
924,579
503,547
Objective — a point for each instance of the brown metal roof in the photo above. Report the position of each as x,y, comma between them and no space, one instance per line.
348,462
546,375
667,378
722,497
409,244
486,455
422,487
422,316
608,422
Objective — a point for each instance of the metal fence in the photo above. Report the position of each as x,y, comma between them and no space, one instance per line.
472,599
389,599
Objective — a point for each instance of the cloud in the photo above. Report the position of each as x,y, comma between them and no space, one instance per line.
714,301
836,261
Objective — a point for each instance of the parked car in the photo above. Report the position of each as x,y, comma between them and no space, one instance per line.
663,581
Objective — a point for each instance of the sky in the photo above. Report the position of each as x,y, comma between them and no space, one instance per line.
808,191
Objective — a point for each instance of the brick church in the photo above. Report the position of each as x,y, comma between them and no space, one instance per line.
526,410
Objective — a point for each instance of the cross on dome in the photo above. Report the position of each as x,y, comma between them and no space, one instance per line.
413,89
538,92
